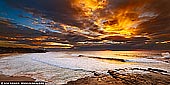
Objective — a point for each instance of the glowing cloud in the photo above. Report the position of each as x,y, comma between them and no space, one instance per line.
98,17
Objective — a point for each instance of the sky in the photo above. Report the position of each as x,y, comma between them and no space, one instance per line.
85,25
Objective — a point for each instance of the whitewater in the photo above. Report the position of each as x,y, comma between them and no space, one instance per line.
61,67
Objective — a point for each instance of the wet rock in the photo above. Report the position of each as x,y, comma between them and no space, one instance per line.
115,77
112,73
96,73
158,70
80,56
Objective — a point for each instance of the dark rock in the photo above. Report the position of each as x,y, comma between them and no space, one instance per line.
113,73
158,70
96,74
80,56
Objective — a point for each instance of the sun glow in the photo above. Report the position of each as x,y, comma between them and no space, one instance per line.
98,17
89,6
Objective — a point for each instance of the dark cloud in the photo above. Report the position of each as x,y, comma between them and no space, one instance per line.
12,30
25,35
61,11
116,38
160,24
57,10
139,39
155,25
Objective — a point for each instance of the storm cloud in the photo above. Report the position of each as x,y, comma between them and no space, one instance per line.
35,22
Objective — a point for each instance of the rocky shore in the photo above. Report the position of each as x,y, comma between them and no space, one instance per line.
125,76
132,76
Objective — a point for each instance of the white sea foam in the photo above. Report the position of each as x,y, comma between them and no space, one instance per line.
78,63
144,60
23,65
165,55
75,63
60,67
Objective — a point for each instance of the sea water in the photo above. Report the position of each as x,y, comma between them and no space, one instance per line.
61,67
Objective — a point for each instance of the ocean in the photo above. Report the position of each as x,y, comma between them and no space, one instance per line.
64,66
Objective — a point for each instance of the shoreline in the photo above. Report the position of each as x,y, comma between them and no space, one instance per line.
6,78
9,54
112,78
